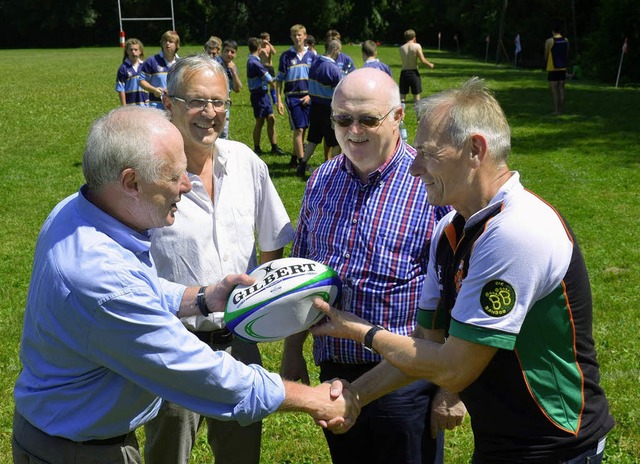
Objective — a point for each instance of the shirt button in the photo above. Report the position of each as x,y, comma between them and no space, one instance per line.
347,255
354,221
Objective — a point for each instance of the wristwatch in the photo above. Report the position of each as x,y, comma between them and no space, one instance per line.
368,338
202,302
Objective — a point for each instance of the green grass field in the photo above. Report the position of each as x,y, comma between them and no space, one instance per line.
586,163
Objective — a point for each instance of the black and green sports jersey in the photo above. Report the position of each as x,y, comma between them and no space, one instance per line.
513,277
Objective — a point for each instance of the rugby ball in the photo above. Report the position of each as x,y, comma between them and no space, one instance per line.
279,303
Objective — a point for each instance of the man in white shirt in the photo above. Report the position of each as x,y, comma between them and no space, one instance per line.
232,204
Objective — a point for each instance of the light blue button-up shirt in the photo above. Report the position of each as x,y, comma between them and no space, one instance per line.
101,341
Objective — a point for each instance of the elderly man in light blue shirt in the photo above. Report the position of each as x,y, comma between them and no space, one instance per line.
101,341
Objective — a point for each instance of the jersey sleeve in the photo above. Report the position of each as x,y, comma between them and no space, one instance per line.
519,259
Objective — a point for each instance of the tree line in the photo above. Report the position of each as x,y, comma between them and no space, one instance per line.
483,28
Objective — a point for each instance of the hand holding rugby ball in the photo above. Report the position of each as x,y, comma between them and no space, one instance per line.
279,303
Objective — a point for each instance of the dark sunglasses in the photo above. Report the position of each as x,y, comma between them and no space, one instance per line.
346,120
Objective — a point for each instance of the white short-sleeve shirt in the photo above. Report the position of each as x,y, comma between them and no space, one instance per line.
210,240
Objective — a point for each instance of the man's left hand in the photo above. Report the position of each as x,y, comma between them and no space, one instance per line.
447,411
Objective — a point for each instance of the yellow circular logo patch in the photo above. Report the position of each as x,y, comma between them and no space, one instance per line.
497,298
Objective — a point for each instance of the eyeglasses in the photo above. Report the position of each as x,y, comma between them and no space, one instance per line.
346,120
201,103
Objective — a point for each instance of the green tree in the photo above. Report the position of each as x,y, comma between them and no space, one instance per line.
614,21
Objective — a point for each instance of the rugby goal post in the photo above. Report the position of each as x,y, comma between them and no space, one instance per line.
120,19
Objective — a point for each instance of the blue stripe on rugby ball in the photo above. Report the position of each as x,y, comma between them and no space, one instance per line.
319,281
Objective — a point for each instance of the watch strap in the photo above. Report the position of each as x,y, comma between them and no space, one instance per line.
368,338
202,302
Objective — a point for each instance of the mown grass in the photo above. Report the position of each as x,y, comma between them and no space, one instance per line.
585,163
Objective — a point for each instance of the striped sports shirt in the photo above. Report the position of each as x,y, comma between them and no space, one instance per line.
258,78
128,81
324,75
376,236
293,71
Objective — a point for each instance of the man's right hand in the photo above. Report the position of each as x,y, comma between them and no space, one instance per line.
343,410
218,294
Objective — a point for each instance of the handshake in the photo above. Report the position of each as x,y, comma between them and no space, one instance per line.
331,405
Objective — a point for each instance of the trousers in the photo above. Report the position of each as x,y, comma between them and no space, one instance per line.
31,445
171,435
392,429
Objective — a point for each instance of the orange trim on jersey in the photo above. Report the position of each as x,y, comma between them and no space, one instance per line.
452,236
573,330
575,351
564,225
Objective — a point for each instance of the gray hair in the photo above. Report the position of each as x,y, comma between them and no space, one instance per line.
185,68
471,109
123,138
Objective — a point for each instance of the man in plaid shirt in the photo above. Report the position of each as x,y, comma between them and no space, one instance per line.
368,218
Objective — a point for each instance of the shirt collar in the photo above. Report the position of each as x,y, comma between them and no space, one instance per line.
326,58
512,185
384,170
122,234
221,158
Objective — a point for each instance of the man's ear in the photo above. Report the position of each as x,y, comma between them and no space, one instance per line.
400,110
478,148
167,102
129,182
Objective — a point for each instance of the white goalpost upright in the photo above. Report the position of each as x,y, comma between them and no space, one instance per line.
120,19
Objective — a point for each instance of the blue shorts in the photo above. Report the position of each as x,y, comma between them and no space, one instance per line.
261,103
298,113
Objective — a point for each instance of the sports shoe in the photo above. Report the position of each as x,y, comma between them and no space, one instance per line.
301,169
294,162
258,151
276,150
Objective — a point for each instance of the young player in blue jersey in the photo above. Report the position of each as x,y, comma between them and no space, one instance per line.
370,57
293,81
324,76
128,76
344,61
260,82
153,73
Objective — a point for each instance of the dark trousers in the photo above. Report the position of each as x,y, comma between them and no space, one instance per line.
392,429
32,446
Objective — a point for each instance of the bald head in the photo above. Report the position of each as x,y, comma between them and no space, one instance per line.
366,84
370,99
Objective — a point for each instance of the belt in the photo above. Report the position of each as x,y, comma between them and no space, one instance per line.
215,337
